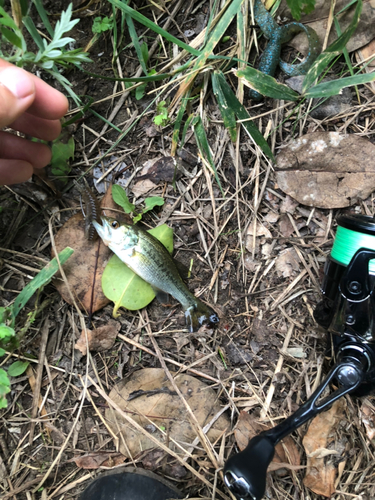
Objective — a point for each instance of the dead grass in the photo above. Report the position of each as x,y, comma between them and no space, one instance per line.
258,259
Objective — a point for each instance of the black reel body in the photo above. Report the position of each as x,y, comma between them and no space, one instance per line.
347,312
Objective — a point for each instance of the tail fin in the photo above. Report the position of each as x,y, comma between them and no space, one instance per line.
199,314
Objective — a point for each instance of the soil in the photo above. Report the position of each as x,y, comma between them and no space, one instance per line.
263,280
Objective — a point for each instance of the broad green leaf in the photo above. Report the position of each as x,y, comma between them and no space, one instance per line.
204,147
40,280
4,379
3,400
267,85
2,352
6,333
153,201
61,153
121,198
242,114
327,89
229,118
154,27
332,51
18,368
124,287
12,37
5,314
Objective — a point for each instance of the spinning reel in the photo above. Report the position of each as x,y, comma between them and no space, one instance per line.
347,312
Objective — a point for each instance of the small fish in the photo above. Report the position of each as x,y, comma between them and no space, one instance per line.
148,258
91,213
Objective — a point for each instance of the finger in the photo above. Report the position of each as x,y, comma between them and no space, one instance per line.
17,93
48,130
49,103
16,148
14,171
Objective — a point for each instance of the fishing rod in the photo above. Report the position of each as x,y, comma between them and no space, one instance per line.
347,313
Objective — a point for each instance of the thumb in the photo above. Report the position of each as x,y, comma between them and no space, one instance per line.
17,93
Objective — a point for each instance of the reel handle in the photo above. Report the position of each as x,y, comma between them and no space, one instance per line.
245,473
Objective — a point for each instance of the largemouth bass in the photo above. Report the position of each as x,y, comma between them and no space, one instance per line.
148,258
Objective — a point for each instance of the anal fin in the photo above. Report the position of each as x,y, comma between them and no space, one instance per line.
162,297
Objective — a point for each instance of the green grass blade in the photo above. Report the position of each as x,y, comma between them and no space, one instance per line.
204,148
267,85
31,28
215,36
44,17
137,16
332,51
135,40
40,280
227,113
327,89
242,114
177,124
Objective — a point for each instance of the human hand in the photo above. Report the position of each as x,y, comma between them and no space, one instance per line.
30,106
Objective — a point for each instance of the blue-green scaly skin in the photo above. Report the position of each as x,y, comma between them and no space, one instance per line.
277,35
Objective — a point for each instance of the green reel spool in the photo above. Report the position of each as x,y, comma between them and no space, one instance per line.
353,232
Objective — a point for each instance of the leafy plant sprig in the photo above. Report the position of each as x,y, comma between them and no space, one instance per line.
121,198
51,56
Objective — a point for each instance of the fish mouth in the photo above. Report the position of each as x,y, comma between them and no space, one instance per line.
104,231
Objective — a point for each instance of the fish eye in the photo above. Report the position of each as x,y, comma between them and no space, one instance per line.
115,224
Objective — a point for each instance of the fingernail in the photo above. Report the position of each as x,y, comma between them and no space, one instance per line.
17,81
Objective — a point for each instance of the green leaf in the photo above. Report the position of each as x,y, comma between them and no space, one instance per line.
161,117
4,379
242,114
299,6
2,352
153,201
327,89
100,25
124,287
61,153
334,50
12,37
267,85
5,314
18,368
40,280
120,197
140,91
6,333
228,115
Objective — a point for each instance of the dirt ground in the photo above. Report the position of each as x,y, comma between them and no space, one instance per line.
266,355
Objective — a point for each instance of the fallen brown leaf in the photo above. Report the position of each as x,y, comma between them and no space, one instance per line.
100,339
85,267
286,453
159,411
321,470
287,263
367,414
99,459
327,169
